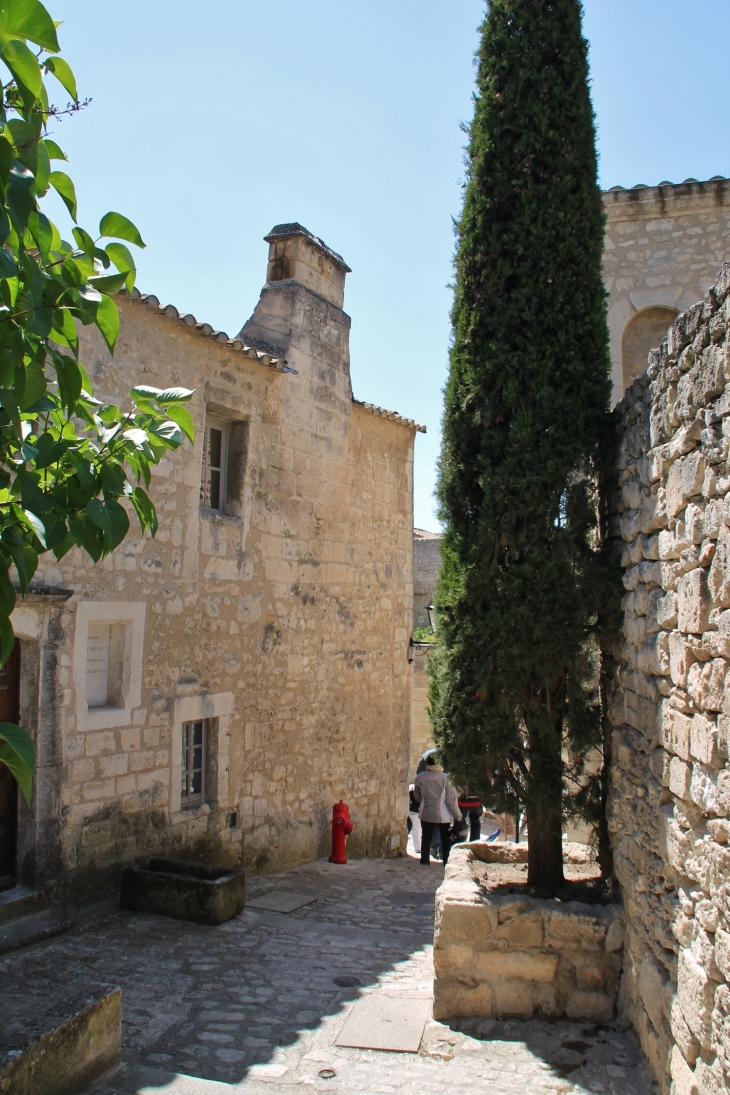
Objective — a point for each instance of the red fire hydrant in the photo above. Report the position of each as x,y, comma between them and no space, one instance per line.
341,829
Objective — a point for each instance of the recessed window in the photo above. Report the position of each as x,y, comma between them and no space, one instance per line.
193,770
225,448
215,453
105,658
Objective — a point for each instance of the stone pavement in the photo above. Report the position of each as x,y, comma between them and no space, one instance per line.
254,1006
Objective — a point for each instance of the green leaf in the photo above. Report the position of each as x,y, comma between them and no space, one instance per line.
144,391
29,19
55,152
8,265
144,509
63,185
21,202
69,381
24,67
184,419
88,536
114,224
111,518
30,384
121,256
175,395
18,754
6,159
36,525
107,320
109,283
62,71
168,431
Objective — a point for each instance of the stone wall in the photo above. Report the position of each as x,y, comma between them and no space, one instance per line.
663,248
670,799
505,955
284,621
426,566
421,732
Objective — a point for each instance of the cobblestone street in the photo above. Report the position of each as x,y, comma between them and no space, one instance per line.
254,1006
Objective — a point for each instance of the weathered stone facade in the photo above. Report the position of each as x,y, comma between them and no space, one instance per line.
279,617
664,245
670,800
426,566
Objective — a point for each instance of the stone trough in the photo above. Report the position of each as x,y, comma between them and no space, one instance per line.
184,890
508,955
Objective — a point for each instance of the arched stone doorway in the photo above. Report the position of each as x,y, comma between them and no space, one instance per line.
642,333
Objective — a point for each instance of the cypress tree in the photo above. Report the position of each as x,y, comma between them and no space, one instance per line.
514,698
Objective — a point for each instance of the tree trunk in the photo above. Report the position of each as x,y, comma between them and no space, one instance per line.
545,847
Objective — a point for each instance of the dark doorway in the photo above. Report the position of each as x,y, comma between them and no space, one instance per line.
9,693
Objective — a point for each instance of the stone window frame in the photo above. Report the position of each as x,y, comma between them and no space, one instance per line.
234,462
192,799
216,708
131,613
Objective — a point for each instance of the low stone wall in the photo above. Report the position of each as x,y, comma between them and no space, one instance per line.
62,1048
670,798
509,956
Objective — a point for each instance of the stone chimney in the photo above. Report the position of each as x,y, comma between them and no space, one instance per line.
299,314
296,255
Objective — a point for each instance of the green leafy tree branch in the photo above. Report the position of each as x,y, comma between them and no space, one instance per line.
68,461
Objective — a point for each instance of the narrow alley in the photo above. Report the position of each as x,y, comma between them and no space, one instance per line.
258,1004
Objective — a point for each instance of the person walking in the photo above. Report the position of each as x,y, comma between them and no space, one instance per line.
438,806
472,808
414,820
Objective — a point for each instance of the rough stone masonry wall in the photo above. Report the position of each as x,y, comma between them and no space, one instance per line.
287,627
671,701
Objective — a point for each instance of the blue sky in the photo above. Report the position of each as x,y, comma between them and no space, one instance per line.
210,124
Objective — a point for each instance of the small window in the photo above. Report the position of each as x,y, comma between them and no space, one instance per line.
225,451
215,453
194,750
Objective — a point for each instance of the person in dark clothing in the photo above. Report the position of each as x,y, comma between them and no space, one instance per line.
472,809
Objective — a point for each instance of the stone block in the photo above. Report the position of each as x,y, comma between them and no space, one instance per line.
718,579
513,1000
522,932
676,732
695,997
684,481
706,684
594,1007
705,742
681,658
184,890
685,1081
680,777
703,788
568,930
722,951
682,1035
61,1054
693,607
515,965
667,610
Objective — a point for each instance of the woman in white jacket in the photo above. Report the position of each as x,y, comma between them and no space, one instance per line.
438,806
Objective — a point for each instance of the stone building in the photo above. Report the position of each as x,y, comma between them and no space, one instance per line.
212,692
664,246
670,796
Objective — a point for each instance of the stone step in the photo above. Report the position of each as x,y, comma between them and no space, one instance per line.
17,902
31,929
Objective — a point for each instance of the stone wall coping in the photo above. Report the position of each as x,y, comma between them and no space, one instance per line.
690,196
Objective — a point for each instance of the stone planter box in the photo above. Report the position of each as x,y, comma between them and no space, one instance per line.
505,955
184,890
